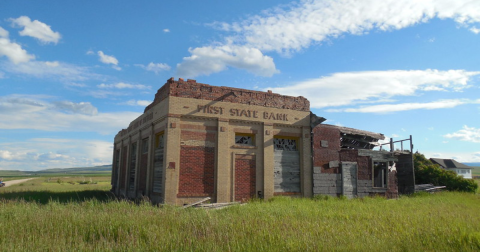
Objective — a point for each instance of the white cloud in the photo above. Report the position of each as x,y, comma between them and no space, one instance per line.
166,30
386,108
3,33
475,30
467,134
36,29
142,103
291,28
122,85
22,110
107,59
85,108
42,153
11,50
52,63
155,67
54,70
374,86
213,59
299,25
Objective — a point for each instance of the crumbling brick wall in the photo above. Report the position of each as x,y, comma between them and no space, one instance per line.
245,176
192,89
392,190
326,147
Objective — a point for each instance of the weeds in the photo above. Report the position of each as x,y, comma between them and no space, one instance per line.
92,221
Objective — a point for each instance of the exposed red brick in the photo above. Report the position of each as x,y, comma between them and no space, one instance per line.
323,155
197,169
392,190
244,177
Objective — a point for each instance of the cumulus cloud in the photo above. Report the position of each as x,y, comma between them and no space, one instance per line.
291,28
375,86
166,30
36,29
155,67
42,153
213,59
122,85
22,110
108,59
11,50
467,134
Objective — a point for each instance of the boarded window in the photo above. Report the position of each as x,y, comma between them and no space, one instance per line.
116,168
287,166
158,163
133,163
145,145
244,139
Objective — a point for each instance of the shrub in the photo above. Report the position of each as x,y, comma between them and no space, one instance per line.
427,172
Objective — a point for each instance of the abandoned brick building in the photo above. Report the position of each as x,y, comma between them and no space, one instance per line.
196,140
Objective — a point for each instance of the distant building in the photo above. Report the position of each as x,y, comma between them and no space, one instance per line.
452,165
196,140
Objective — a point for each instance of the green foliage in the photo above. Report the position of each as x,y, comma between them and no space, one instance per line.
427,172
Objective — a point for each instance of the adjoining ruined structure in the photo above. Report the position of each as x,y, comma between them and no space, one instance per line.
345,164
196,140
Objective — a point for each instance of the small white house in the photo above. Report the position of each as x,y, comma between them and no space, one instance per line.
452,165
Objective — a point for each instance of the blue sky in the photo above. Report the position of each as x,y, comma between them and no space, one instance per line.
74,73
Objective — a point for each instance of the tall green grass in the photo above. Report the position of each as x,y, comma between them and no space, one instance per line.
441,222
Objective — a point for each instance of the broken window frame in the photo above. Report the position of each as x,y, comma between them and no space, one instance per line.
280,144
383,167
244,139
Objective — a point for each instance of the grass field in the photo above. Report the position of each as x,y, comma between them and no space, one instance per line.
52,215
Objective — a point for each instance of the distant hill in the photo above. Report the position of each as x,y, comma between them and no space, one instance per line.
472,164
95,170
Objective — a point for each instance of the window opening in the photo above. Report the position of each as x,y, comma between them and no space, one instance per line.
380,174
287,144
244,139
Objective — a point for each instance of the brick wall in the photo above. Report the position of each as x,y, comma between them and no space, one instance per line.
245,177
123,168
197,168
364,168
322,155
192,89
364,164
392,190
